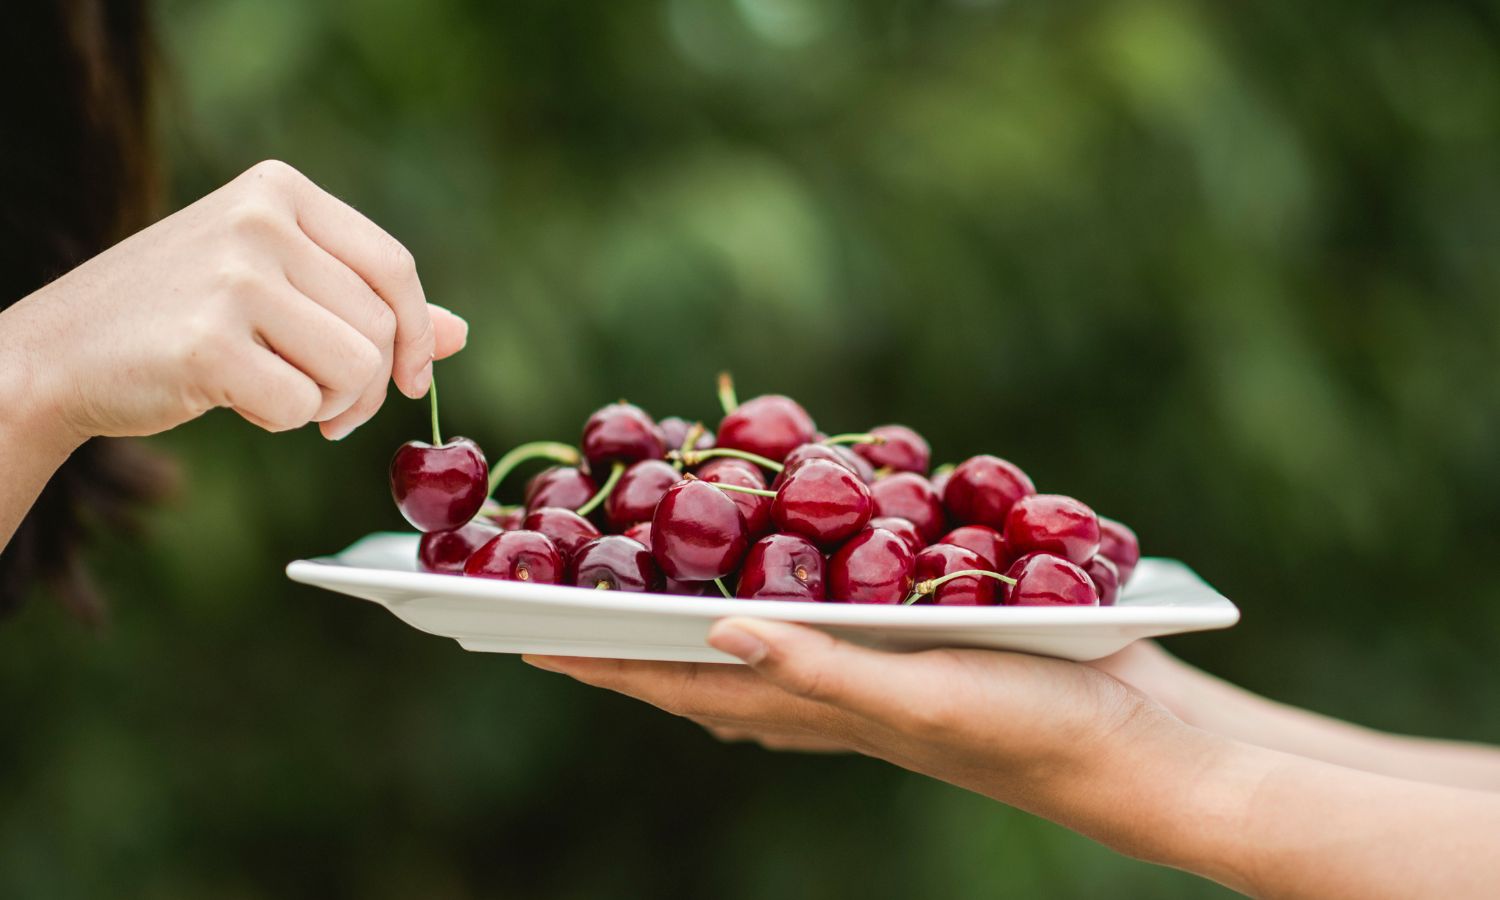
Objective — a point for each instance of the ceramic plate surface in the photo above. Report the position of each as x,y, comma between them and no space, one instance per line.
1164,597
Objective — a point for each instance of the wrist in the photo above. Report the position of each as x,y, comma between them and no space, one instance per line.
32,412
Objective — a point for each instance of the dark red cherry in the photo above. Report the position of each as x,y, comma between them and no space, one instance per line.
508,519
901,528
517,556
566,486
439,488
940,478
674,430
1119,543
899,449
697,533
770,426
1046,580
567,530
909,496
782,567
447,551
615,563
875,566
621,432
967,590
728,462
755,508
1106,579
640,531
1052,523
834,453
982,489
822,501
635,497
986,541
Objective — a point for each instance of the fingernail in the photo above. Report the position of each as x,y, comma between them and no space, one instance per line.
340,431
738,642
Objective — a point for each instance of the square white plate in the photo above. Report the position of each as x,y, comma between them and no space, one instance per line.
1164,597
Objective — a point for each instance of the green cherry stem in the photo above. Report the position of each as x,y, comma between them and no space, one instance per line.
693,457
923,588
944,469
742,490
722,589
727,398
557,452
862,437
599,496
437,436
688,440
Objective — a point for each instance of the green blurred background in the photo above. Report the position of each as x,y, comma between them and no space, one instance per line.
1226,271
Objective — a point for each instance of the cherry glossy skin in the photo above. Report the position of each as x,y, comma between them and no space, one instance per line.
621,432
674,430
635,497
1052,523
697,533
567,530
901,528
822,501
900,450
509,520
641,531
911,497
1046,580
566,486
439,488
756,509
970,590
770,425
875,566
517,556
447,551
982,489
1120,544
782,567
615,562
1106,579
986,541
836,453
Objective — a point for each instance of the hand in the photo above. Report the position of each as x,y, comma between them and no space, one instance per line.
269,297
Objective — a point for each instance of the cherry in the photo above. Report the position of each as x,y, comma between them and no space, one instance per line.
982,489
517,556
641,531
566,529
697,533
901,528
565,486
771,425
724,462
986,541
447,551
1120,544
782,567
674,432
1106,579
822,501
616,563
755,508
641,487
896,448
1042,579
832,452
910,496
621,432
933,563
1052,523
439,486
875,566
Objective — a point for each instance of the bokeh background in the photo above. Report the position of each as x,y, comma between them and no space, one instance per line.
1226,271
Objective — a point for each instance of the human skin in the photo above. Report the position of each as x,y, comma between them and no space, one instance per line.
268,296
1087,747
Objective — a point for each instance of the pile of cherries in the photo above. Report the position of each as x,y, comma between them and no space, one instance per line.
764,508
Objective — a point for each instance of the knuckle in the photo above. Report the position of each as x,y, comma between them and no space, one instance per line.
366,364
255,217
273,174
239,282
383,325
399,261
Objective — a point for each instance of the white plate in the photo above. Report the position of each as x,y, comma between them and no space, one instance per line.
482,614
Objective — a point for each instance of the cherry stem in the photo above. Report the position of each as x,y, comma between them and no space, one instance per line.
437,436
727,398
603,492
602,585
742,490
943,469
861,437
557,452
923,588
688,440
494,508
693,457
722,589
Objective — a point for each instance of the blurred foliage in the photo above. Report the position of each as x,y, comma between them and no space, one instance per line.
1226,271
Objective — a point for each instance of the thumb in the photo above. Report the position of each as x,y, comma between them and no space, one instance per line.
449,331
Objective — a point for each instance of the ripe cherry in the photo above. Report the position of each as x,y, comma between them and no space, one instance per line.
1052,523
1046,580
875,566
566,486
675,429
640,488
822,501
910,496
621,432
832,452
641,531
755,508
697,533
615,563
901,528
1119,543
782,567
566,529
985,541
447,551
940,560
771,426
1106,579
439,488
896,448
517,556
982,489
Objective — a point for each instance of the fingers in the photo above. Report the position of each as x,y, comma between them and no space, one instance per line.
450,333
781,741
269,391
325,347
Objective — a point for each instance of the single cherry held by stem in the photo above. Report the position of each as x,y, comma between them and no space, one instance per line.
517,556
897,449
615,562
771,425
447,551
950,575
697,533
1041,579
982,489
566,529
1052,523
822,501
874,566
439,486
911,497
782,567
